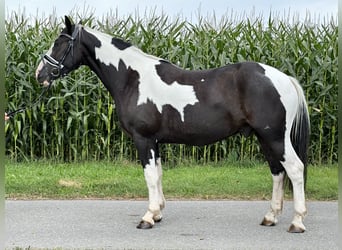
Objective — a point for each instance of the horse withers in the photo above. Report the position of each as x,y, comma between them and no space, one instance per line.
158,102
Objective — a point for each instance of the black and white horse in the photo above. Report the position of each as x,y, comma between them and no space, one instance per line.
158,102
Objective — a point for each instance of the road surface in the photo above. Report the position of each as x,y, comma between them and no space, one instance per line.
98,224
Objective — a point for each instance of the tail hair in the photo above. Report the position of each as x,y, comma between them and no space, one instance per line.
300,131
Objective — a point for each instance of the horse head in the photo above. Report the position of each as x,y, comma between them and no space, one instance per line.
63,56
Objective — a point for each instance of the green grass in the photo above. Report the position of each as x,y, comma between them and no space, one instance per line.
122,180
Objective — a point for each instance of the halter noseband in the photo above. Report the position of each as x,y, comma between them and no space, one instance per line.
57,66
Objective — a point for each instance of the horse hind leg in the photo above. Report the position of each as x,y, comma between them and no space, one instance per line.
270,218
161,198
295,171
281,156
272,154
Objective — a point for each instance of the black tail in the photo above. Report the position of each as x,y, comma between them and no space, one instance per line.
300,131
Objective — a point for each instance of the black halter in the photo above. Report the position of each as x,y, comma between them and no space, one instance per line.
57,66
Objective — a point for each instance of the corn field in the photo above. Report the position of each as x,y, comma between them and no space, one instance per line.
76,119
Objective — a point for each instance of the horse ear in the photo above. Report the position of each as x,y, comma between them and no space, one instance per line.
68,24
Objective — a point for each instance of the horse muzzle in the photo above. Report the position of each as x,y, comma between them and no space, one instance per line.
48,70
43,77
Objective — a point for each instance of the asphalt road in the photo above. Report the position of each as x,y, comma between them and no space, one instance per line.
94,224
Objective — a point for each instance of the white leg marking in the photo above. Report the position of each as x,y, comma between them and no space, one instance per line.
295,170
277,199
160,186
278,193
152,180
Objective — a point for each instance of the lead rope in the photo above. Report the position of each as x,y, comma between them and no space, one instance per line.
22,109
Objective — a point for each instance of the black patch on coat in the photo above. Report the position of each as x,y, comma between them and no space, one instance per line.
170,73
120,44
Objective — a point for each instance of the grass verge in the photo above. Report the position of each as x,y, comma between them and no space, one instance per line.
105,180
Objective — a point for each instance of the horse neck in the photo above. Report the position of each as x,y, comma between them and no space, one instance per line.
112,64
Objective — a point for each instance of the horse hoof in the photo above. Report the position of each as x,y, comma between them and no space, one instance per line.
144,225
295,229
267,223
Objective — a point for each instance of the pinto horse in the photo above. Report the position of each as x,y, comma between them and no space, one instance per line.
158,102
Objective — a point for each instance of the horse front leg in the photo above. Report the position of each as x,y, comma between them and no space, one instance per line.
153,173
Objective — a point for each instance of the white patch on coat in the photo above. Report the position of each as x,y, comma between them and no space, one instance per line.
151,87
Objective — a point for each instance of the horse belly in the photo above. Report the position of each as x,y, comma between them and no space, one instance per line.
199,128
203,137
